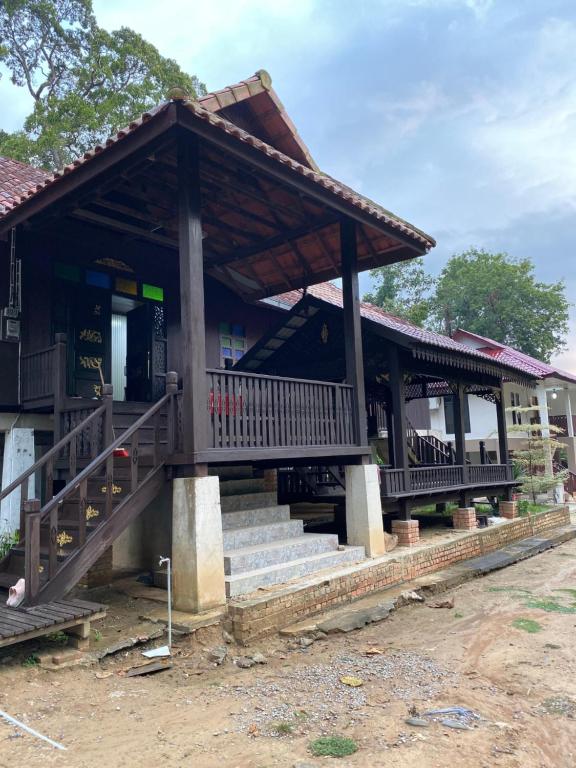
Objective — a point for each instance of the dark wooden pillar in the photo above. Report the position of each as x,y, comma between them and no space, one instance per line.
502,431
193,335
390,434
460,429
398,402
352,327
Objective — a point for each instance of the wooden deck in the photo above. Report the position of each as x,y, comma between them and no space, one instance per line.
20,624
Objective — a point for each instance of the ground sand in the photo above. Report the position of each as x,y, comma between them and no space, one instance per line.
521,684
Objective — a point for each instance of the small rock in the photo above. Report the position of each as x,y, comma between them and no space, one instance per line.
217,654
304,765
243,662
227,637
442,604
417,721
305,642
259,658
319,635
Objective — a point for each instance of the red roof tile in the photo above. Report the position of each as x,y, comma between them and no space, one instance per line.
331,294
511,356
338,189
16,179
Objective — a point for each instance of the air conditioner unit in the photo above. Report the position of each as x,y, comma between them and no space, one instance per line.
10,329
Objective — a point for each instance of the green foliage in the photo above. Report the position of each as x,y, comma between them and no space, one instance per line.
57,638
527,625
333,746
549,605
31,661
533,464
85,83
403,289
283,728
495,295
7,541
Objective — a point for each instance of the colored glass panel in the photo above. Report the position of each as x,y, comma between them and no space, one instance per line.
126,286
238,353
98,279
67,272
224,328
238,330
153,292
226,352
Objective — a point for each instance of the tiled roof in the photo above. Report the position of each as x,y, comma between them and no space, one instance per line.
16,179
335,187
511,356
331,294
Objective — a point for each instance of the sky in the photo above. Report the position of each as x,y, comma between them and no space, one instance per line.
458,115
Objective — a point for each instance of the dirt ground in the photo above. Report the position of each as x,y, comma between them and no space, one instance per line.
504,652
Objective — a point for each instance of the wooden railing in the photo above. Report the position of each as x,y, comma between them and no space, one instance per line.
37,374
248,410
399,481
68,557
90,431
562,423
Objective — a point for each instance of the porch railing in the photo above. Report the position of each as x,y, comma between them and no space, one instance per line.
248,410
399,481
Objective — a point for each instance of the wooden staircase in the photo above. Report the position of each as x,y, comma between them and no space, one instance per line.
107,481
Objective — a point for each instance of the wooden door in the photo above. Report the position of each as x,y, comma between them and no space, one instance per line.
146,353
90,341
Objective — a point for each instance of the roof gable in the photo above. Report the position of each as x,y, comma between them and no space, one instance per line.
254,106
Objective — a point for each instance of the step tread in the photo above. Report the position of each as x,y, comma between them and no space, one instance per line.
324,559
281,543
241,515
275,531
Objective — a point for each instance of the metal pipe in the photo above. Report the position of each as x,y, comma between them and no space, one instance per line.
31,731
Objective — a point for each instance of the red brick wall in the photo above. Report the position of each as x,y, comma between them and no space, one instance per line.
263,616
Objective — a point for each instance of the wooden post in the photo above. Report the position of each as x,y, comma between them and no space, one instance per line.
401,460
482,446
390,435
60,365
32,550
502,430
193,335
172,426
353,328
108,438
460,429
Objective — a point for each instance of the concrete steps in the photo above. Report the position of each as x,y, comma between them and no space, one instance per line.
249,581
263,546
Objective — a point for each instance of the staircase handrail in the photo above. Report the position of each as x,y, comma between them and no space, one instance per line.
107,453
52,453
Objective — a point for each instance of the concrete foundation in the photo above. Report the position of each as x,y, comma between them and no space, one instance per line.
364,510
197,544
18,457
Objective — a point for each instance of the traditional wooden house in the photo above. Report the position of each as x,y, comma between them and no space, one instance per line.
132,282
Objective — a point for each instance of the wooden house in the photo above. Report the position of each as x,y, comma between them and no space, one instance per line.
133,283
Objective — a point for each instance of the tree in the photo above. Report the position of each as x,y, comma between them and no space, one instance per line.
85,83
495,295
534,463
403,289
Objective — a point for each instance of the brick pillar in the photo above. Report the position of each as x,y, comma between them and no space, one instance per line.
100,574
270,480
408,532
464,519
508,509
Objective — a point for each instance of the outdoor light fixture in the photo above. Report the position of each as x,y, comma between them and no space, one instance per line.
554,394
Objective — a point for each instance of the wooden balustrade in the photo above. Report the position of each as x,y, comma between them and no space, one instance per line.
249,410
37,374
394,482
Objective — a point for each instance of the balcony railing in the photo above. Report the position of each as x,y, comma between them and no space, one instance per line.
248,410
394,482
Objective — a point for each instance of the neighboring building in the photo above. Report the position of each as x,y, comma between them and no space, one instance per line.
552,400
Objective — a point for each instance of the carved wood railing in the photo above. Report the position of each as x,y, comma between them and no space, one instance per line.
89,431
248,410
123,489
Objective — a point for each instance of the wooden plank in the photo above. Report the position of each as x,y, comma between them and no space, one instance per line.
14,617
236,388
22,637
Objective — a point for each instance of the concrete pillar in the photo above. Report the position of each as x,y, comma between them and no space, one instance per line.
18,457
197,544
568,409
545,423
508,509
364,523
464,519
407,531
